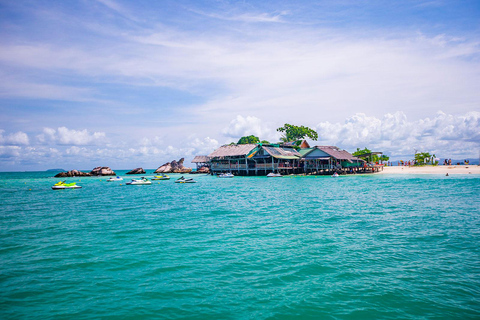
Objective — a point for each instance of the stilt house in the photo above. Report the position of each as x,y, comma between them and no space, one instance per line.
328,159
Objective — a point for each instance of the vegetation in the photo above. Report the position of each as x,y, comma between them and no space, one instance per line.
367,154
293,133
384,158
422,158
363,154
249,139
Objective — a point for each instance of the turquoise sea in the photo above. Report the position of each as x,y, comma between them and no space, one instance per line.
354,247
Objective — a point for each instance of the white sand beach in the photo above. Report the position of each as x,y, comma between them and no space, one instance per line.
455,169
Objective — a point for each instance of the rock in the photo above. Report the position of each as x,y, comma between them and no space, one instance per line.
173,167
137,171
102,171
72,173
203,169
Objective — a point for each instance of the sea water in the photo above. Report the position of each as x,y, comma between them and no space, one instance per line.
353,247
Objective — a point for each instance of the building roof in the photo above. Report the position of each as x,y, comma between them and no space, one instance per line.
303,144
282,153
233,150
305,151
201,159
335,152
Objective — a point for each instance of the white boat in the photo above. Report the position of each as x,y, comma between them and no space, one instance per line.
274,175
183,180
114,179
226,175
335,175
62,185
141,181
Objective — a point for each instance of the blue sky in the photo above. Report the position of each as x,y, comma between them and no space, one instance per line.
136,84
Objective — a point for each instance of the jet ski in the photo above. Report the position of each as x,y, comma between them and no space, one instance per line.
162,177
183,180
141,181
274,175
226,175
114,179
62,185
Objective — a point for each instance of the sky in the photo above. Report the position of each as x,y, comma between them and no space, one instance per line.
130,84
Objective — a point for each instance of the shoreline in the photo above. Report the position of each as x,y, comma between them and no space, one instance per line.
454,169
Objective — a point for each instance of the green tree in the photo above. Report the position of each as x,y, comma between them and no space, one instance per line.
249,139
371,157
293,133
384,158
422,158
359,152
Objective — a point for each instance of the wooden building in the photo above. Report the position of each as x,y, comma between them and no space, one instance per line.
201,161
259,159
330,159
234,158
276,159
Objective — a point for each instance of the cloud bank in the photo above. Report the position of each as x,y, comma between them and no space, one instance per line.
445,135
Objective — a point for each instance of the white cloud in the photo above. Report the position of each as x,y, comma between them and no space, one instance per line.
249,125
445,135
65,136
14,139
203,146
10,151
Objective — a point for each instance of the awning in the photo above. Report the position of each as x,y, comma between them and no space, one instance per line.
317,158
286,157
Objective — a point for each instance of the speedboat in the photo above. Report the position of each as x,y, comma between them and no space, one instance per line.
62,185
141,181
162,177
114,179
274,175
226,175
183,180
335,175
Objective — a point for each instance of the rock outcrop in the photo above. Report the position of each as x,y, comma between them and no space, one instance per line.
174,167
72,173
137,171
202,170
102,171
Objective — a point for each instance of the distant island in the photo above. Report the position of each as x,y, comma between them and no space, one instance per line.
56,170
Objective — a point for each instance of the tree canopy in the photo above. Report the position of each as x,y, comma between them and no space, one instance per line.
361,152
423,158
371,157
249,139
293,133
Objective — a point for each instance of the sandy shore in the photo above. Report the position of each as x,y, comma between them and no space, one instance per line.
467,169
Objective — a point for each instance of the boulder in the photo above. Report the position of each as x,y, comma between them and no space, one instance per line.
102,171
72,173
173,167
137,171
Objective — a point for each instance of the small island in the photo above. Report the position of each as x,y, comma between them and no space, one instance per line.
97,171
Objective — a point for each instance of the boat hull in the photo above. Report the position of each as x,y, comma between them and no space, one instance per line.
161,178
185,181
274,175
65,187
139,183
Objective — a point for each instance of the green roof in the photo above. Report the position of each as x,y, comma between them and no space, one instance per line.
305,151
